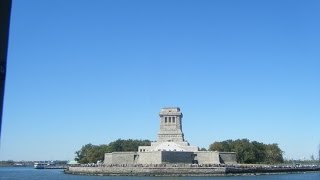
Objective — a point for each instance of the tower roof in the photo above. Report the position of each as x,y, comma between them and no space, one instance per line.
170,111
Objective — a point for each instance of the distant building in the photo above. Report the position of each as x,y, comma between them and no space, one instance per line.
170,136
171,147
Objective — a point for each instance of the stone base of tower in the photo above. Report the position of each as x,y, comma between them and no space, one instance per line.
171,147
170,157
168,146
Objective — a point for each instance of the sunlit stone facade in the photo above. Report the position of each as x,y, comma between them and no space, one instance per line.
170,136
171,147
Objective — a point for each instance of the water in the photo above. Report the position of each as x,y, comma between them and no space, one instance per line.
28,173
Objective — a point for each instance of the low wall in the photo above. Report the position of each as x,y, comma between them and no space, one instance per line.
148,171
123,157
176,157
183,171
153,157
228,157
207,157
261,170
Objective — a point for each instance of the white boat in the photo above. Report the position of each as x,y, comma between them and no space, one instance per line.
40,165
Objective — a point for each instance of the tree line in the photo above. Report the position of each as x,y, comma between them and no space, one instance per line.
247,152
90,153
250,152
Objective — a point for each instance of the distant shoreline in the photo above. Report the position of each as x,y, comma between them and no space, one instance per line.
5,165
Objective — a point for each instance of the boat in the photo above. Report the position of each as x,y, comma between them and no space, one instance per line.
40,165
48,166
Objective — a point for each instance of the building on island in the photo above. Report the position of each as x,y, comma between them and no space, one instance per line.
171,147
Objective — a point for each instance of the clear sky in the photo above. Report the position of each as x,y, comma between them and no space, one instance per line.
94,71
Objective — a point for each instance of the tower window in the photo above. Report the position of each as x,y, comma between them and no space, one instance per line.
174,119
165,119
169,119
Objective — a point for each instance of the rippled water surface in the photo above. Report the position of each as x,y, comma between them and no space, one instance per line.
28,173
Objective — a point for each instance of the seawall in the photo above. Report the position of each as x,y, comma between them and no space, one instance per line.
267,170
182,171
148,171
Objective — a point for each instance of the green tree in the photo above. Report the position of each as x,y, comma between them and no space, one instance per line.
216,146
250,152
244,150
203,149
273,154
128,145
224,146
260,151
92,153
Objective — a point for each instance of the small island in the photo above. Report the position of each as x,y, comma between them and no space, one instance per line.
172,155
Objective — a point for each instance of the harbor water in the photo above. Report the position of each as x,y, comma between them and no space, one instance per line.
28,173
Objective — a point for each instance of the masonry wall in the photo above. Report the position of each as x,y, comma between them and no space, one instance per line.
144,148
177,157
207,157
228,157
153,157
124,157
108,158
191,148
148,171
167,157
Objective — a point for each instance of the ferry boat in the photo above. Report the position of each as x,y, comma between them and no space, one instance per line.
40,165
48,166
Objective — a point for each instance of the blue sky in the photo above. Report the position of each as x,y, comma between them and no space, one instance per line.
94,71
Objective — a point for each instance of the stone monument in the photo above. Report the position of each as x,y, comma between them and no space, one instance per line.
170,136
171,147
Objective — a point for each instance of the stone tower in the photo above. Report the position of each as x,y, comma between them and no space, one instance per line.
170,148
170,136
170,125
